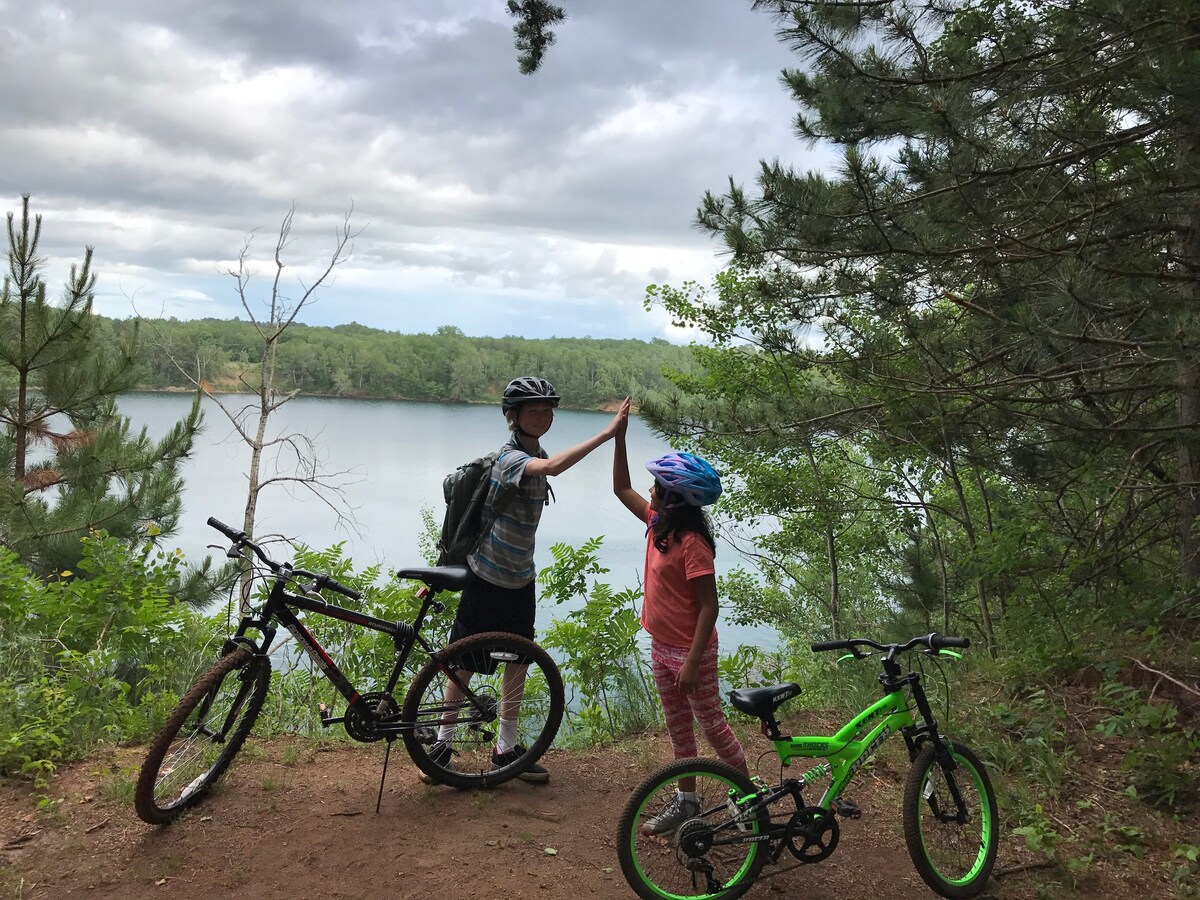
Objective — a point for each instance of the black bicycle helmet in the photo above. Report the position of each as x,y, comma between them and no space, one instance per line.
526,389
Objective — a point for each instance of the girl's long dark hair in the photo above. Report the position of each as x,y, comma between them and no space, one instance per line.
675,518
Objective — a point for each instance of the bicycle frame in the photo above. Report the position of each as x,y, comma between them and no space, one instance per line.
855,742
844,753
279,608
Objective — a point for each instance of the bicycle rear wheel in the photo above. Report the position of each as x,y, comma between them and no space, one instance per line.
707,851
453,739
954,850
202,736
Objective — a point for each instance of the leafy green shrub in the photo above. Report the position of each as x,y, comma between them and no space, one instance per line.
1162,757
90,656
597,648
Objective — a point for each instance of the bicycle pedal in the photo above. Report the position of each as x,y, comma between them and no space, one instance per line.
847,809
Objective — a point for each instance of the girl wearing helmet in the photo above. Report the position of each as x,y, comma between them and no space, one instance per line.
680,610
499,593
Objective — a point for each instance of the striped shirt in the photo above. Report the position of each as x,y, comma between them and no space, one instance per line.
505,556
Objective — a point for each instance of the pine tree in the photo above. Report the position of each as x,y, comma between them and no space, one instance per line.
69,461
1006,262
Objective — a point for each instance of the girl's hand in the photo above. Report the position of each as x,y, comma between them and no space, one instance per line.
689,676
620,421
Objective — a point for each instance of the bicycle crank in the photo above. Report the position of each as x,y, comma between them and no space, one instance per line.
363,718
818,831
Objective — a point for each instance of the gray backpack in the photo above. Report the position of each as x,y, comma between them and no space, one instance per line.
466,490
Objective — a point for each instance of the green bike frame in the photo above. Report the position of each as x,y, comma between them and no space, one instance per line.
852,745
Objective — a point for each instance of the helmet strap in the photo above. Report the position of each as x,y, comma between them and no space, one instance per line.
521,434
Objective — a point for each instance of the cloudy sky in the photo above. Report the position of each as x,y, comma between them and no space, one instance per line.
164,133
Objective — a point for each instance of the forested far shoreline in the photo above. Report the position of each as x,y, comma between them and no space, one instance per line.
356,361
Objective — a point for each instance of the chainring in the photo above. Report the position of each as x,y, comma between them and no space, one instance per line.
362,719
817,829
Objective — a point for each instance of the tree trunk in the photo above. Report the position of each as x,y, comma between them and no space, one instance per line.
831,553
1188,479
968,523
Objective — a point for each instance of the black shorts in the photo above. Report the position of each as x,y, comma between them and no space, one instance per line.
488,607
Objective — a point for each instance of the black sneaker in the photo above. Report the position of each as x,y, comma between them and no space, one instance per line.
439,753
534,773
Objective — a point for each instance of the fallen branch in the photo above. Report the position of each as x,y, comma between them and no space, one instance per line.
20,839
1174,681
1024,867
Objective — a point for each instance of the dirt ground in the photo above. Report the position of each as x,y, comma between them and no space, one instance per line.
296,820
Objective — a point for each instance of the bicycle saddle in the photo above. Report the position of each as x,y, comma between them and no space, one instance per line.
762,702
440,578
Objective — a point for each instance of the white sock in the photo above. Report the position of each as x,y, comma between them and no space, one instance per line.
446,732
689,796
508,735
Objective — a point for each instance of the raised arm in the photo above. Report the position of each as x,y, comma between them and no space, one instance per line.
560,462
622,487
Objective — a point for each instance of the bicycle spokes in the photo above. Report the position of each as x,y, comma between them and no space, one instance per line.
703,845
950,821
483,711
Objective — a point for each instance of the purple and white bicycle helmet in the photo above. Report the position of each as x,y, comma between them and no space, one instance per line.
526,389
687,475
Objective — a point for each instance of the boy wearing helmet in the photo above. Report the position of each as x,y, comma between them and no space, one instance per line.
499,594
680,611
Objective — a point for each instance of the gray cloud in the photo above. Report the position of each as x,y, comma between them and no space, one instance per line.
163,134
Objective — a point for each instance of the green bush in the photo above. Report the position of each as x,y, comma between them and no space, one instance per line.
89,656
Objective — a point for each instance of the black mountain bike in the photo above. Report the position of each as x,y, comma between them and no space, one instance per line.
716,844
449,720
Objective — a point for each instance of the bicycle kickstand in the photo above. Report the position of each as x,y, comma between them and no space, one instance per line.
383,776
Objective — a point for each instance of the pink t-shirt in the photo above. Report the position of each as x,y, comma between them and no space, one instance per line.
670,610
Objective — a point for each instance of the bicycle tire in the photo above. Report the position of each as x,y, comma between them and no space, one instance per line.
658,866
202,736
955,859
476,726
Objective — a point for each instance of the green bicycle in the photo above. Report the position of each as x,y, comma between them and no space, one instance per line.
715,843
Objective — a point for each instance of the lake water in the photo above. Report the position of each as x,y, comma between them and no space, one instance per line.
394,455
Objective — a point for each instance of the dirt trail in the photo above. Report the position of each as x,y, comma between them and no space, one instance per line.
291,821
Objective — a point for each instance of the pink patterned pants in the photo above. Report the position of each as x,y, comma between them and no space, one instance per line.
703,704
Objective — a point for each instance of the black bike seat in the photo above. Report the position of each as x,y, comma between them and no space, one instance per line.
440,578
762,702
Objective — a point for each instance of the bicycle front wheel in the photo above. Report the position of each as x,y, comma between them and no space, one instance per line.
952,846
202,736
453,737
709,847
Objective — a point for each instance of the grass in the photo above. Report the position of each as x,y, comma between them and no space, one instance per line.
12,885
118,787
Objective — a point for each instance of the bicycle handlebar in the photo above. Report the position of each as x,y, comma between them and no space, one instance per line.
932,641
320,581
216,523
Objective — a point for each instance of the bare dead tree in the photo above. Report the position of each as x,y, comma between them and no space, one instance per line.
294,459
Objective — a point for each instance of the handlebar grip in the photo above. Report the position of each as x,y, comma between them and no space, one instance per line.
938,641
819,646
225,529
326,582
